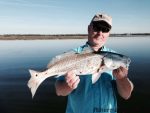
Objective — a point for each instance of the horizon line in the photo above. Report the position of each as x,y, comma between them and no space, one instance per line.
74,34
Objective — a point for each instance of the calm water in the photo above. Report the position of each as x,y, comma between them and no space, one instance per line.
16,57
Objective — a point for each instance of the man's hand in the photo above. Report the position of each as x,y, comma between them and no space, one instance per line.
72,79
124,85
120,73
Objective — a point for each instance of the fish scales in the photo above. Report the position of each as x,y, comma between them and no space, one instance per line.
75,62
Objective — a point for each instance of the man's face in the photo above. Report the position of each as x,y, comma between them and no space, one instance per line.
97,36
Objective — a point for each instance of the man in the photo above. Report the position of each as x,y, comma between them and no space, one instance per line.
100,97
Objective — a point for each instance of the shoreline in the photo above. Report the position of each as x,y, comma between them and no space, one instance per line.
61,36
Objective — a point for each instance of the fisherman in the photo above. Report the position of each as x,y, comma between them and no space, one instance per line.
100,97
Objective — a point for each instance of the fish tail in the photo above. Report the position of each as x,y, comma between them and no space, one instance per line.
34,81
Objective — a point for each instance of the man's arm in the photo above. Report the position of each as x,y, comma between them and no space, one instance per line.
65,87
124,85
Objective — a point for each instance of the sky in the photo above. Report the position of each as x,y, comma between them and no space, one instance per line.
71,16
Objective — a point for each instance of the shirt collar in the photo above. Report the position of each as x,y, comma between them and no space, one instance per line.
100,49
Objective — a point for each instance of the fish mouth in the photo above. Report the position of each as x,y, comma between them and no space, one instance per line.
128,62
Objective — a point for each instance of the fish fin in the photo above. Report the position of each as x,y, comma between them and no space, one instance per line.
95,77
59,57
34,81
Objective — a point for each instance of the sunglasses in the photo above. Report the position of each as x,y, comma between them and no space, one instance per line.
101,26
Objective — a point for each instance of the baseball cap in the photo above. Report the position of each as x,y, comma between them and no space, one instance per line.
102,17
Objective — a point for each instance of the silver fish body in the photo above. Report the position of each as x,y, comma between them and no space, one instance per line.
87,62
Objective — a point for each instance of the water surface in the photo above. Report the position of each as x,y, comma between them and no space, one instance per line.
17,56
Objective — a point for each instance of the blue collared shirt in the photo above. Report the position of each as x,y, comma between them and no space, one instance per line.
99,97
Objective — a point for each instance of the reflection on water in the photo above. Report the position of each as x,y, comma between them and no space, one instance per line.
16,57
